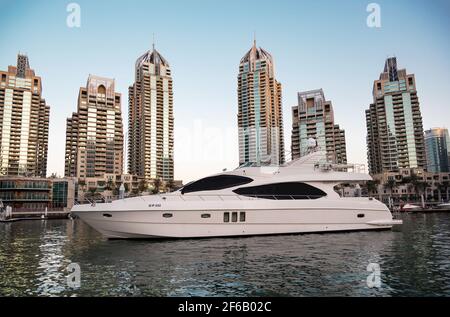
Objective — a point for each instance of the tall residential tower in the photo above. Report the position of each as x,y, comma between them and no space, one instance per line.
437,148
94,134
313,117
260,117
150,119
24,119
395,137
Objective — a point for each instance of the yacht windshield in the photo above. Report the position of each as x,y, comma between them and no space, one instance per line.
216,183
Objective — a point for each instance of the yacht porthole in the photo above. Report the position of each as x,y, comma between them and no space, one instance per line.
167,215
361,215
206,215
107,215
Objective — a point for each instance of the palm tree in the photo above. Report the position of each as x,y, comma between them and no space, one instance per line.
391,184
92,193
143,186
372,186
110,185
82,183
82,186
115,189
441,188
410,189
446,186
170,185
156,185
418,184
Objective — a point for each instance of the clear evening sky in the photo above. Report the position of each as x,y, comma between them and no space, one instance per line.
315,44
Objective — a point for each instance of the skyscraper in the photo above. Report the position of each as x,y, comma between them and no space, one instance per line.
437,148
394,123
24,118
94,134
150,119
260,117
313,117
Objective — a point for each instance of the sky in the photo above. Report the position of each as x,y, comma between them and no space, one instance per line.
315,44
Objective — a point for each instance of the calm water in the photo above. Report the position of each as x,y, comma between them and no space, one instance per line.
415,260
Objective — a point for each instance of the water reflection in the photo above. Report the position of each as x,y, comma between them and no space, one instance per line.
50,274
414,261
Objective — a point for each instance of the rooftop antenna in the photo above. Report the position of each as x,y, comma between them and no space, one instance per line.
153,44
254,38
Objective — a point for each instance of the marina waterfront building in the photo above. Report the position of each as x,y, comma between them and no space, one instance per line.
94,134
313,117
150,119
35,194
437,148
395,138
260,117
24,119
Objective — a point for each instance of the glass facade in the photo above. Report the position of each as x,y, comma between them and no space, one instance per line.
25,194
409,127
59,194
392,153
437,146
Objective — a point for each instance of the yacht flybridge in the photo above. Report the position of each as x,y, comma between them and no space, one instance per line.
298,197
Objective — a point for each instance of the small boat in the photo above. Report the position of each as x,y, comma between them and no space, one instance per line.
443,207
411,208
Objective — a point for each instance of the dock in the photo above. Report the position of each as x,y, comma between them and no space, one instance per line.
35,215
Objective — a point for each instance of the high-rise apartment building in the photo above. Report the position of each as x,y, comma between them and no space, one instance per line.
94,134
437,148
395,137
313,117
150,119
24,119
260,117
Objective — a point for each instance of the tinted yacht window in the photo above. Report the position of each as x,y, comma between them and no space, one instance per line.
216,183
279,191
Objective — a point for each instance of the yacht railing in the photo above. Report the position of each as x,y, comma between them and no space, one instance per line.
246,197
204,197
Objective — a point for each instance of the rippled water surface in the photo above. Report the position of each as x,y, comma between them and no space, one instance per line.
415,260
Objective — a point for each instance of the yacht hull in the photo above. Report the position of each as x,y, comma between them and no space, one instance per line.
191,224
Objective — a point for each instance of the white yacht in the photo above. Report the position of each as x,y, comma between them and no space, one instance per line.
298,197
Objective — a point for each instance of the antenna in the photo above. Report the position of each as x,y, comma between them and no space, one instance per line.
153,44
254,38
